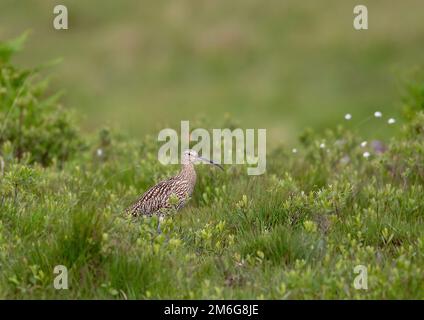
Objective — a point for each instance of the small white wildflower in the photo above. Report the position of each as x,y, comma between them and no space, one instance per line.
363,144
322,145
348,116
378,114
99,152
294,150
391,121
345,160
366,154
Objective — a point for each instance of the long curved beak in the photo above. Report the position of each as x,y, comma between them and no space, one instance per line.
211,162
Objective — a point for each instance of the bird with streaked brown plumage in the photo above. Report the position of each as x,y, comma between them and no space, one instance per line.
159,199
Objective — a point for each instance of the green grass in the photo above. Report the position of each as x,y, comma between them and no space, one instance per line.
288,234
296,232
139,66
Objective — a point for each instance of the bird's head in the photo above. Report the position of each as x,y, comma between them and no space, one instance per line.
191,156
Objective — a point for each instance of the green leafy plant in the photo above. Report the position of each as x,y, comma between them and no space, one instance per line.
34,122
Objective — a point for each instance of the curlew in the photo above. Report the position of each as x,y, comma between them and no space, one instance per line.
159,198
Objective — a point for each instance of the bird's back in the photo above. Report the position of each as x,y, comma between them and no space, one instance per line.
157,198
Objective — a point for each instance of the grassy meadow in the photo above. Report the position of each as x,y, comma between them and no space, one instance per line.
294,68
139,66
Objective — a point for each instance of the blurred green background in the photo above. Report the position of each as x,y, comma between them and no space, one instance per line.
138,66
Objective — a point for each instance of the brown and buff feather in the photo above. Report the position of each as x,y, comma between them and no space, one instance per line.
156,200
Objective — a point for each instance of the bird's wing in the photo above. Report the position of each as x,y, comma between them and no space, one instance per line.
153,199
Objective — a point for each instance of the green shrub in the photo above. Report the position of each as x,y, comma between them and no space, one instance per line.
31,120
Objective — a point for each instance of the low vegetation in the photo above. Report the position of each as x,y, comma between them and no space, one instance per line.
296,232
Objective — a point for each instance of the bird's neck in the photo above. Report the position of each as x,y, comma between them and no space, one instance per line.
187,172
